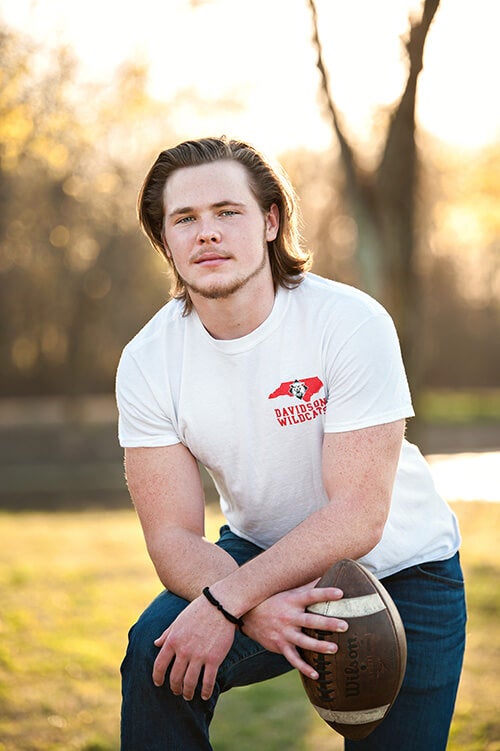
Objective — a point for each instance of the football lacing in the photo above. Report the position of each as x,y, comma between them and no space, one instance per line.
325,683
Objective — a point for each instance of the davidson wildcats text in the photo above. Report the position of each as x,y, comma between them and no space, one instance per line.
298,413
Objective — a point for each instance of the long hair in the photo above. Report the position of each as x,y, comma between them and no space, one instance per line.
269,185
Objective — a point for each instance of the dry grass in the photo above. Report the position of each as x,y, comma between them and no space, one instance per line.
72,583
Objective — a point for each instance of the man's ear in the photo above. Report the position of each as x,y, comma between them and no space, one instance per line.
272,222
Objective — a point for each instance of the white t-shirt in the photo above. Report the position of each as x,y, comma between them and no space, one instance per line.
254,411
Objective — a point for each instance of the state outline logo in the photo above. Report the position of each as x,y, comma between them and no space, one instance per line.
307,409
303,388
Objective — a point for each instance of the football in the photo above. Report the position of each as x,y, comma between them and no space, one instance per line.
359,683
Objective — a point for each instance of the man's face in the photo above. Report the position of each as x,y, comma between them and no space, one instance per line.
215,231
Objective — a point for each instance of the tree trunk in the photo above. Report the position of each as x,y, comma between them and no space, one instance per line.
382,202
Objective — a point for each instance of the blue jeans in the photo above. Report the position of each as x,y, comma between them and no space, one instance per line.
431,601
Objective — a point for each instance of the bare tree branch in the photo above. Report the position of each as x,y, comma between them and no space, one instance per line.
359,185
401,132
348,157
396,180
382,202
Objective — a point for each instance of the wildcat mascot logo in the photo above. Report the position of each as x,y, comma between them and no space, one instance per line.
304,390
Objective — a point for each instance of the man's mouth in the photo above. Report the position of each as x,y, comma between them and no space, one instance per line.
211,259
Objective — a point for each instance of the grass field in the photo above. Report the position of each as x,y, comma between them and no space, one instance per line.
460,406
72,583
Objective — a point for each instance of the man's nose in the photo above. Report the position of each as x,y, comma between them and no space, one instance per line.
208,232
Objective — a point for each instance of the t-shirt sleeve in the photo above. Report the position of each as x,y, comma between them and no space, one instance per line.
143,418
367,383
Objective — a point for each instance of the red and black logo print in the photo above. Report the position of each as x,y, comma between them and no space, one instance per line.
308,408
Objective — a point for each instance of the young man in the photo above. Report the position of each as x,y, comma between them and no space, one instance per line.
290,390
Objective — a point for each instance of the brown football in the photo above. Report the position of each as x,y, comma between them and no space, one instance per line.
358,684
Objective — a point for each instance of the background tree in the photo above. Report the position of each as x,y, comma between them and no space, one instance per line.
382,202
77,278
74,284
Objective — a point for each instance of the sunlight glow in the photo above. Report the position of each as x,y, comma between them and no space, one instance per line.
258,58
467,477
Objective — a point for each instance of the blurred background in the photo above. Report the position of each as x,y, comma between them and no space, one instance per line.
386,118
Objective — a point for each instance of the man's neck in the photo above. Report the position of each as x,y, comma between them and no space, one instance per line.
236,315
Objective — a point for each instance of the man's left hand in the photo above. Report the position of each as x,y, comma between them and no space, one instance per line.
278,623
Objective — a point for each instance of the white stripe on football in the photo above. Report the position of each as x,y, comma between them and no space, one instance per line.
352,607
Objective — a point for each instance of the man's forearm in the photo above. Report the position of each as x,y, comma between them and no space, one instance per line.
302,555
359,469
167,491
186,562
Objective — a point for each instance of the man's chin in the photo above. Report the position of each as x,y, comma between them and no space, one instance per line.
216,291
221,290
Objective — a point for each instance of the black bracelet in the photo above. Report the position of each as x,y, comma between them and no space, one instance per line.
231,618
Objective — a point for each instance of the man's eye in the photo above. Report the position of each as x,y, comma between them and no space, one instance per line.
228,212
185,219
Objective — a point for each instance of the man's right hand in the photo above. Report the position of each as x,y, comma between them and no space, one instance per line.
195,644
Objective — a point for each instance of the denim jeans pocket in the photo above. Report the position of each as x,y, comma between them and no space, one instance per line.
446,572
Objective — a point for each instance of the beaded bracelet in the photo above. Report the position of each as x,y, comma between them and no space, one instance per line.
231,618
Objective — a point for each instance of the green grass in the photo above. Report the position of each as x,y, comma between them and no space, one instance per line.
460,406
72,583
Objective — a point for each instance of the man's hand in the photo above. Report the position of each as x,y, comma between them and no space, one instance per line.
277,624
197,641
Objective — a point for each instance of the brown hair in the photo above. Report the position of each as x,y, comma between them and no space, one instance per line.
269,185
